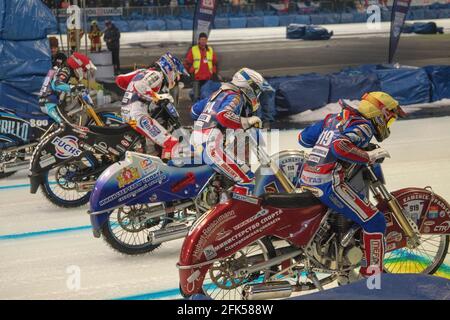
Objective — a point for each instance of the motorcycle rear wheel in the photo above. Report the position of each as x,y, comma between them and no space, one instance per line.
62,192
427,258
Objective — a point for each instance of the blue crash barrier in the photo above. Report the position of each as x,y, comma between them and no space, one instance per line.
351,86
156,24
302,19
237,22
221,23
173,24
440,81
16,99
309,91
25,20
255,22
186,24
139,25
24,58
408,86
122,25
271,21
285,19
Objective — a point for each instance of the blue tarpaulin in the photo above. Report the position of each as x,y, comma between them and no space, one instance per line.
408,86
440,81
24,52
25,20
351,86
24,58
309,91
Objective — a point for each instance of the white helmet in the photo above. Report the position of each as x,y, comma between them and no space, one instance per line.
252,84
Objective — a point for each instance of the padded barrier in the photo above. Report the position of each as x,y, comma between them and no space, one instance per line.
186,24
237,22
137,25
173,24
351,86
255,22
408,86
271,21
308,91
440,81
156,24
16,99
295,31
317,33
24,58
221,23
25,20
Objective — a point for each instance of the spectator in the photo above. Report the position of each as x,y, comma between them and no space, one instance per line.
58,57
201,62
95,35
112,39
72,39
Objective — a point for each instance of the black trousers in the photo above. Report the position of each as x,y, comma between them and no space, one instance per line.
197,86
115,59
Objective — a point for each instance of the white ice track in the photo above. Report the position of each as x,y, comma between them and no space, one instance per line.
33,265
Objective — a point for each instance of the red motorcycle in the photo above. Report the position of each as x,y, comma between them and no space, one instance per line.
269,247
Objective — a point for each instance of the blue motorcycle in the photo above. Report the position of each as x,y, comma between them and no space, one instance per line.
141,202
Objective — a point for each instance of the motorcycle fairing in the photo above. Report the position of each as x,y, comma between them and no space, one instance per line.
143,179
20,128
428,210
233,225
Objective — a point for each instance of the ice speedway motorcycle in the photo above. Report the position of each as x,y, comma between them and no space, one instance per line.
20,132
141,202
75,156
272,245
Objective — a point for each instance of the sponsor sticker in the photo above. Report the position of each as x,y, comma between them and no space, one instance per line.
271,188
47,161
443,227
210,252
66,147
127,176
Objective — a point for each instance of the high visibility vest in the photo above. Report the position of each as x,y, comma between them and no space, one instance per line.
196,54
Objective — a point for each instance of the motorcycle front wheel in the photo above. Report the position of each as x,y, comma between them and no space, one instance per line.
426,258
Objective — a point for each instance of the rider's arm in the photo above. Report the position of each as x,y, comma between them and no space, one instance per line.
197,108
60,82
347,146
308,137
227,115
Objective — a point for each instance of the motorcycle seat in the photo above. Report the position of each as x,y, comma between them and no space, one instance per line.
290,200
124,128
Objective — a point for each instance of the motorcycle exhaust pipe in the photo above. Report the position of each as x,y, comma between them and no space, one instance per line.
85,186
171,233
16,166
267,290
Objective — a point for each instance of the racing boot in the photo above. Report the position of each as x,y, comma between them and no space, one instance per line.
372,262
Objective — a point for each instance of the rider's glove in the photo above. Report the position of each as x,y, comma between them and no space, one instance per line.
251,122
165,96
378,153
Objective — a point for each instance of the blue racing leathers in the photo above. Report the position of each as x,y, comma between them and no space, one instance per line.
336,142
223,112
53,91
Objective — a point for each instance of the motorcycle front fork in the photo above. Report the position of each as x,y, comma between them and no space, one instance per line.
408,226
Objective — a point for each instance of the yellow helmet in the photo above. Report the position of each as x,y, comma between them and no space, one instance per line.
382,110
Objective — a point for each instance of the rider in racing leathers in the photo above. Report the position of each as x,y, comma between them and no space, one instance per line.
339,141
231,107
56,85
144,89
